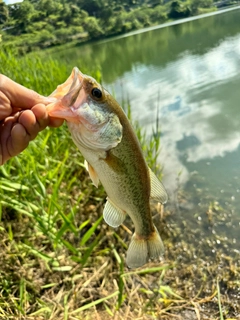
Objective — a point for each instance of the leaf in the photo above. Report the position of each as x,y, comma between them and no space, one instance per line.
11,186
89,233
63,268
94,303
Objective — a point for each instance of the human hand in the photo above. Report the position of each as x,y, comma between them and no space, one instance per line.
22,116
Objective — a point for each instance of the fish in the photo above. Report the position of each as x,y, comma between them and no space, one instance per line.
102,132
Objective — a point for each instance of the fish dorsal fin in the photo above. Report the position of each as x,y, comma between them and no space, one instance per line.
113,215
158,191
92,173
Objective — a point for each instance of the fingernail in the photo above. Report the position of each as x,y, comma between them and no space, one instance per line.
51,99
47,100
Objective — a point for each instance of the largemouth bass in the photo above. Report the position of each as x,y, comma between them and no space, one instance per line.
106,139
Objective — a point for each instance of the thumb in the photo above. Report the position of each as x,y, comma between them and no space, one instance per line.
19,96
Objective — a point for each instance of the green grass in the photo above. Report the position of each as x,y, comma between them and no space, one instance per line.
58,259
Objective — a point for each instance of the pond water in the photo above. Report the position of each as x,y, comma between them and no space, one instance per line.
188,76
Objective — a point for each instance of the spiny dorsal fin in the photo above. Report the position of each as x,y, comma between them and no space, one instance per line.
113,215
92,173
158,191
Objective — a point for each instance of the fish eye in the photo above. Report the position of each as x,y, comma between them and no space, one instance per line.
97,93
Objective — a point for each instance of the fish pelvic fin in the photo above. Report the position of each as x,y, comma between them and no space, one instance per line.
142,249
92,173
113,215
158,191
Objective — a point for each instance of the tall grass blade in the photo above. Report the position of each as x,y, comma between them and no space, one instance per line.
94,303
90,232
219,301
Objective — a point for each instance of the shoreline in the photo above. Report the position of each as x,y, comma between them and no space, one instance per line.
108,38
166,24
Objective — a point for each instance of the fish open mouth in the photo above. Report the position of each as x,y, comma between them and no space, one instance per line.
66,95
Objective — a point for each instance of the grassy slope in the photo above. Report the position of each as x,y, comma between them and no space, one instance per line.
59,260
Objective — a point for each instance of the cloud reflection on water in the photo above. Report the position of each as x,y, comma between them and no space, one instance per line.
198,98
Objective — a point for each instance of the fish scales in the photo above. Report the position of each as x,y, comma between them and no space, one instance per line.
105,137
126,187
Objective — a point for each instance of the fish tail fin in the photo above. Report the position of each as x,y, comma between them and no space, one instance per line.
142,249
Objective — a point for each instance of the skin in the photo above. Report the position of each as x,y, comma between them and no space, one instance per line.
22,116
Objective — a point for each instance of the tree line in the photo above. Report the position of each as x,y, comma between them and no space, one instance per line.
34,24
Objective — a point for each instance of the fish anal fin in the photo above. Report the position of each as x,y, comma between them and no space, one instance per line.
158,191
113,215
92,173
141,249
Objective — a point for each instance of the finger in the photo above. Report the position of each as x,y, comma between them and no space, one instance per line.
5,137
28,120
20,96
18,140
5,133
41,116
55,122
5,106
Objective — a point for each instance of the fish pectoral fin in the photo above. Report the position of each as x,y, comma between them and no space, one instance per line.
92,173
113,215
158,191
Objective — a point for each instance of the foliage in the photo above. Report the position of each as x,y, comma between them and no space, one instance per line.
94,19
3,13
179,10
92,25
197,5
